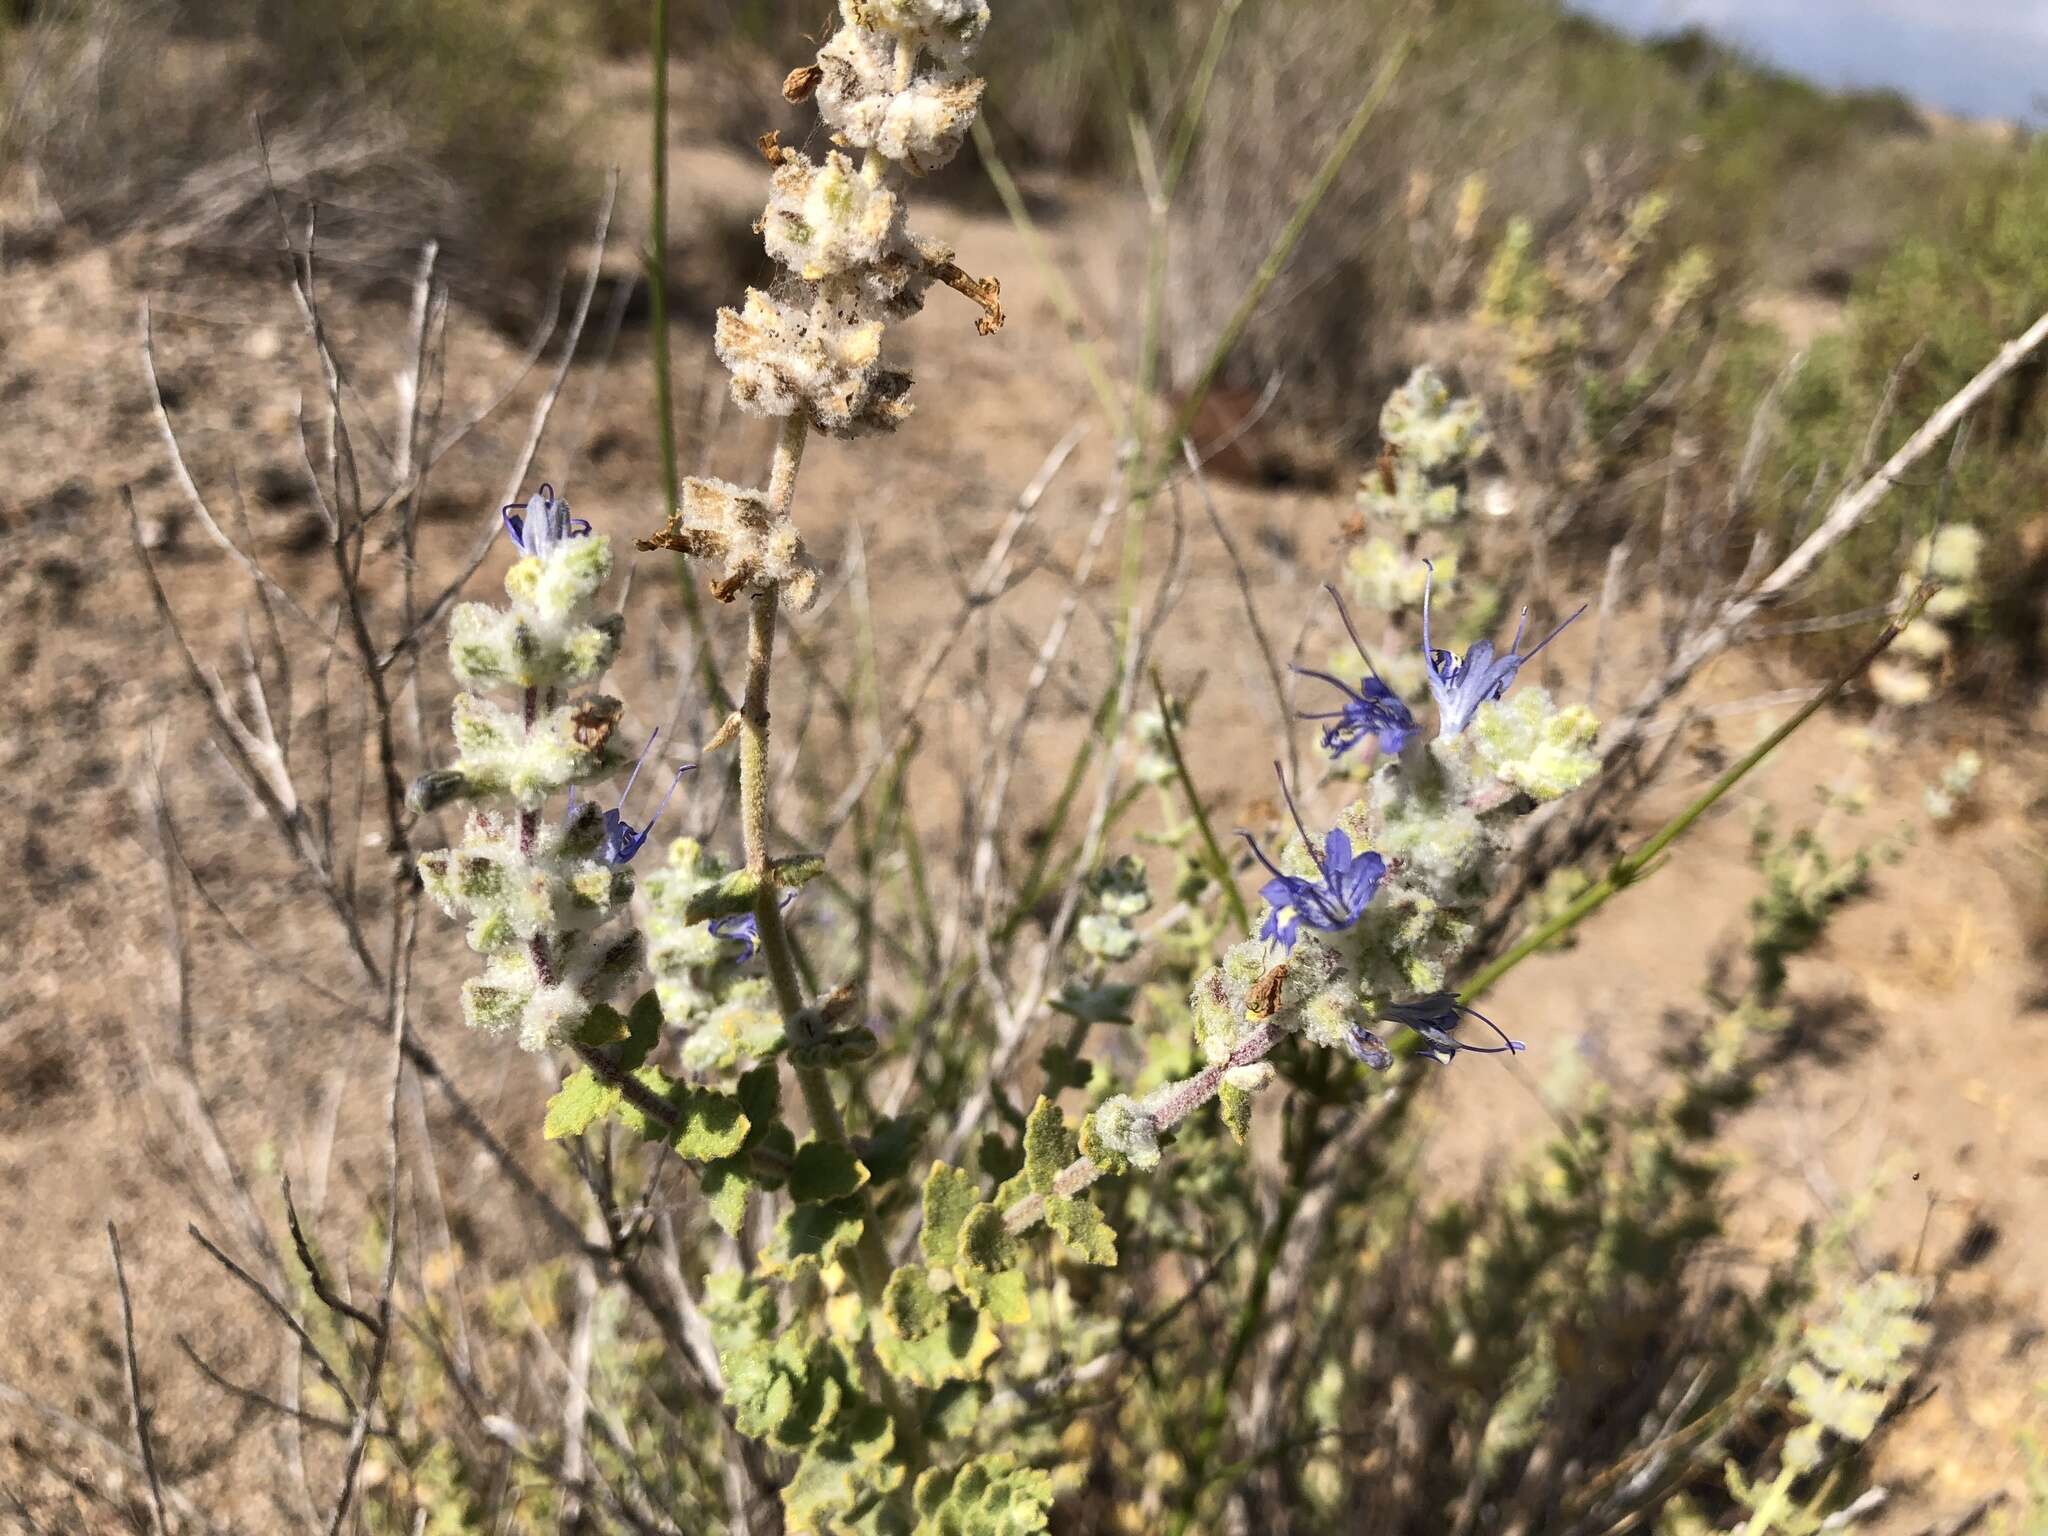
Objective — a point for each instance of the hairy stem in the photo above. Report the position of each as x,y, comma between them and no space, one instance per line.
1169,1106
871,1253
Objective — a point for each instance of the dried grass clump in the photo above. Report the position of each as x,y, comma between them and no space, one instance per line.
403,121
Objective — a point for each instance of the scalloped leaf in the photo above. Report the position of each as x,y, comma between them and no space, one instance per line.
1048,1146
811,1235
825,1170
949,1195
1080,1224
710,1125
582,1102
958,1349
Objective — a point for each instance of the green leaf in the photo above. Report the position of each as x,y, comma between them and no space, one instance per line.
1048,1145
825,1170
910,1306
1236,1105
726,1187
643,1030
812,1235
603,1025
957,1349
949,1195
889,1149
664,1088
985,1243
1005,1295
1106,1004
582,1102
989,1496
1080,1225
709,1125
740,891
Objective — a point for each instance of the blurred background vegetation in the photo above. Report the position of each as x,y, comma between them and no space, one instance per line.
1892,248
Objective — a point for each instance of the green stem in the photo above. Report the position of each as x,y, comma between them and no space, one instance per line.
1630,868
871,1253
664,373
1219,865
1284,244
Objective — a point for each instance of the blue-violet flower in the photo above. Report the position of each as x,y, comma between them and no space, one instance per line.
621,838
742,929
1345,883
544,524
1432,1016
1371,709
1462,684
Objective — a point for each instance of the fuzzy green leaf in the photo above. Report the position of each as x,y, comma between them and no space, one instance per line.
985,1243
949,1195
726,1187
1048,1146
910,1306
1236,1105
989,1496
1004,1295
812,1235
1080,1225
958,1348
709,1125
582,1102
603,1025
825,1170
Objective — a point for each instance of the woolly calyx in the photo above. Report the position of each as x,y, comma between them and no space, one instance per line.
1126,1130
737,526
828,220
1542,748
918,121
548,637
822,358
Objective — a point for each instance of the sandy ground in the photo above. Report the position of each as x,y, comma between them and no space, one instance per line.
1927,990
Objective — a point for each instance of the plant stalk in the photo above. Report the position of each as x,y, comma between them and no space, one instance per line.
1632,867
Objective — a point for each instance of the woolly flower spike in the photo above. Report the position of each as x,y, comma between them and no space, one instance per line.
537,893
1371,709
916,117
1432,431
1432,1016
1330,903
1462,684
621,838
720,521
544,524
821,356
826,220
743,929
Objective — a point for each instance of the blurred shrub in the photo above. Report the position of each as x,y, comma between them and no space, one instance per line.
1972,276
407,119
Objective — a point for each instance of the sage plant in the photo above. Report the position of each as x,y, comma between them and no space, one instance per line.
863,1336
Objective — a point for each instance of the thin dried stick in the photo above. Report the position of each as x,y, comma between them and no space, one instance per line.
138,1415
